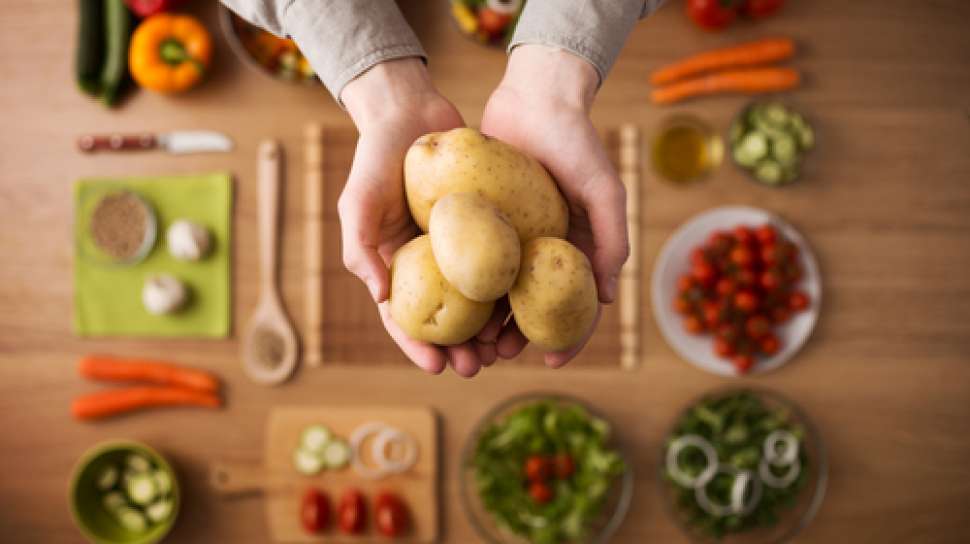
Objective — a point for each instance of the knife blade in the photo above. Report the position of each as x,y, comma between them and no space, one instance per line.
177,142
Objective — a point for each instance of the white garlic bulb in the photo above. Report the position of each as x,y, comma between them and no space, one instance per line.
163,294
187,240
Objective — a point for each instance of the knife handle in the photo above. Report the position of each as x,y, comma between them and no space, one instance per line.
117,142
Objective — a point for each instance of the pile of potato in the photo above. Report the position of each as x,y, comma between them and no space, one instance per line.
495,224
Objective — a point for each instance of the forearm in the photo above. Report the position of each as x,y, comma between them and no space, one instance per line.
550,75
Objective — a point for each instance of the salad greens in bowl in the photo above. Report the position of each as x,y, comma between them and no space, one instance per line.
544,469
743,465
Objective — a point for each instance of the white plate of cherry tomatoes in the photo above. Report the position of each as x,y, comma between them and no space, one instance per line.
736,290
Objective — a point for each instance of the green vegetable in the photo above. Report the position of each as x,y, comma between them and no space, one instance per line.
736,425
159,511
163,481
89,56
314,438
108,478
307,462
114,71
131,519
769,140
546,428
113,501
142,489
336,454
138,463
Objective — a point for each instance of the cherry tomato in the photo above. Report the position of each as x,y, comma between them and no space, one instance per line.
743,363
711,14
540,492
746,278
723,348
725,287
769,254
757,326
780,314
770,344
793,272
712,312
703,272
759,9
743,235
766,234
693,324
391,515
314,511
352,512
728,332
685,282
746,301
742,256
536,468
493,22
682,305
770,280
565,466
698,255
798,301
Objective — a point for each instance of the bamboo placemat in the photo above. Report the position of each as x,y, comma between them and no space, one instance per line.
352,331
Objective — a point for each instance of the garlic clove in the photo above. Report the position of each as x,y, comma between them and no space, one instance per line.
187,240
163,294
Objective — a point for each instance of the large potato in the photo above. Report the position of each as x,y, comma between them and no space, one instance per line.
475,246
425,305
464,160
554,299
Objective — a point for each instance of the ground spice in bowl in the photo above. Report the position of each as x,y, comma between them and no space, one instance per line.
268,347
121,226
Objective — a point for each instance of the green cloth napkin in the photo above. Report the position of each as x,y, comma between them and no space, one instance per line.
107,295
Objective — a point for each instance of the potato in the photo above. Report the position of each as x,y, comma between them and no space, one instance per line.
464,160
475,246
554,299
425,305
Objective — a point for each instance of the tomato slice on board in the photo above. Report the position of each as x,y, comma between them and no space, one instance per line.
391,515
314,511
352,512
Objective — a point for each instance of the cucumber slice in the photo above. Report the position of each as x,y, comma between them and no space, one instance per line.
142,489
138,463
315,438
163,482
307,462
113,501
789,173
775,115
784,149
336,454
769,172
752,147
131,519
108,478
159,511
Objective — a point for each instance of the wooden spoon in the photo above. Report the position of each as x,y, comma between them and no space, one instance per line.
270,346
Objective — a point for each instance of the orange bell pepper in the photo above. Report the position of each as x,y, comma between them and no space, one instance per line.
169,53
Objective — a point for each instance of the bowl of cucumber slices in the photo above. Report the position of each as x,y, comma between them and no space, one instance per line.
124,492
769,140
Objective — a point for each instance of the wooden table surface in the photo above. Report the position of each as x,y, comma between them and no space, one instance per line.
885,202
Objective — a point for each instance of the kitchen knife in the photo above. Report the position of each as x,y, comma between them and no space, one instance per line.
178,142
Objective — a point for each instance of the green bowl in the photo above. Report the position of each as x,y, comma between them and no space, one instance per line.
97,525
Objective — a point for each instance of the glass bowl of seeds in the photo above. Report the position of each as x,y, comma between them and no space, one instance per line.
116,227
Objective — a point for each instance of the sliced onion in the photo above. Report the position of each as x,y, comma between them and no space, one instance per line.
705,502
356,441
673,467
388,436
779,482
739,489
788,454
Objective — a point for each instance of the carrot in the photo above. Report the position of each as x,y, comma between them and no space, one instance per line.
111,369
758,80
118,401
745,54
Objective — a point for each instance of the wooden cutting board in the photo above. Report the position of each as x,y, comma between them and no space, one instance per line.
283,487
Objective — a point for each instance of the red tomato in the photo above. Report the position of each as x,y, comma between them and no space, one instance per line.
780,314
769,254
681,305
725,287
391,515
770,280
743,235
743,363
685,282
742,256
770,344
493,22
703,272
698,255
352,512
766,234
757,326
314,511
693,324
536,468
798,301
146,8
711,14
540,492
723,348
746,301
794,272
565,466
759,9
711,311
728,332
746,278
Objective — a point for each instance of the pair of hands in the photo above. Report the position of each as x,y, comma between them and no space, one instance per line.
542,107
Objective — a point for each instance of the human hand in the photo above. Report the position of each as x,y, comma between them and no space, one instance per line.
542,107
393,104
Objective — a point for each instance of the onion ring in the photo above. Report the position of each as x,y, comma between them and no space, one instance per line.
390,435
788,455
673,467
356,441
743,479
779,482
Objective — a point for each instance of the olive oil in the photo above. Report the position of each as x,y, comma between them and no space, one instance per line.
685,149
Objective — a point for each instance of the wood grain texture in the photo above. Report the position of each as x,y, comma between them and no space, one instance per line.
885,202
313,248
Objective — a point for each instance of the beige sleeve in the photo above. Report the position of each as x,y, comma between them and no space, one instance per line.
593,29
340,38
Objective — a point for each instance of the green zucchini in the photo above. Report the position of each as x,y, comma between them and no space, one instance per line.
768,171
307,462
163,481
159,511
752,147
89,55
142,489
131,519
113,501
108,478
117,29
784,149
138,463
769,140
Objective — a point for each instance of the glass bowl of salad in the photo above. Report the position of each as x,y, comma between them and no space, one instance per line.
490,22
545,469
743,465
277,57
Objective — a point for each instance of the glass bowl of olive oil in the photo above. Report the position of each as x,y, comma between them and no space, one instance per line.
685,149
